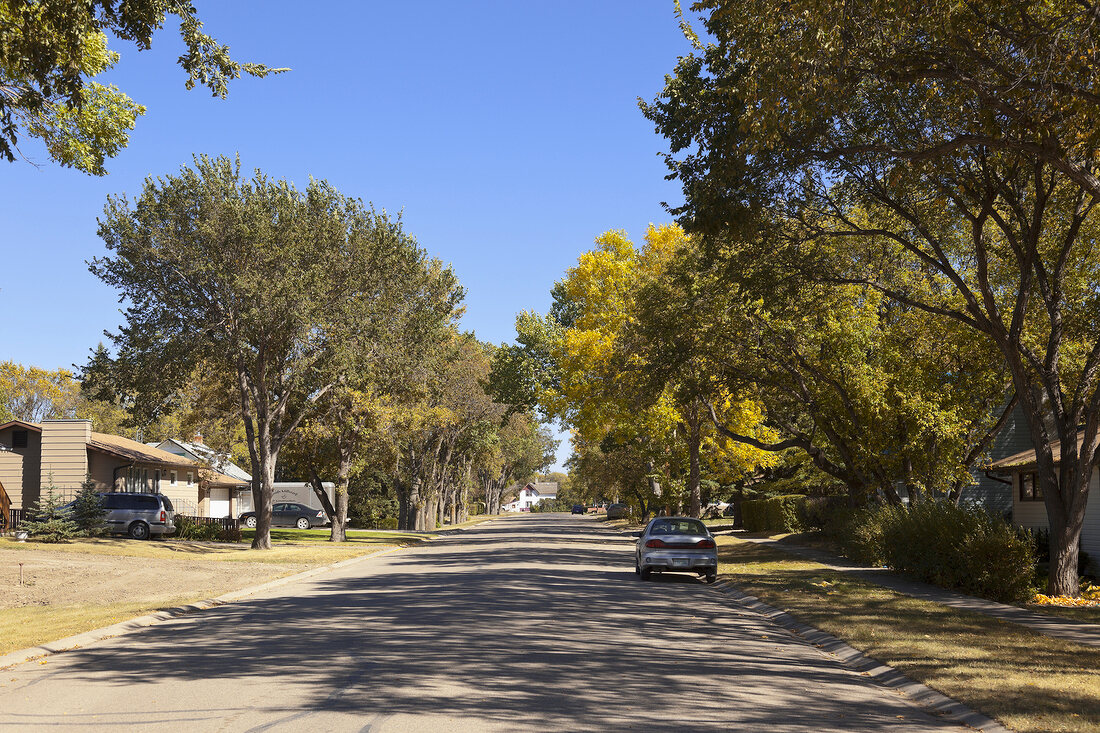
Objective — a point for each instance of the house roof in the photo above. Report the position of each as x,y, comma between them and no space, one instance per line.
205,454
131,450
1026,459
23,424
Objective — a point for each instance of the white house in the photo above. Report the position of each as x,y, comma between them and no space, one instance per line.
532,494
1029,510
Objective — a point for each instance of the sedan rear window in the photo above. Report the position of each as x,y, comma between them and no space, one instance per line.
678,526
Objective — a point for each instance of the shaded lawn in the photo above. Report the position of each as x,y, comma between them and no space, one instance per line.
819,541
1027,681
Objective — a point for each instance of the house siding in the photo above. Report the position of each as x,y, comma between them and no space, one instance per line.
996,496
1033,515
11,477
65,453
24,491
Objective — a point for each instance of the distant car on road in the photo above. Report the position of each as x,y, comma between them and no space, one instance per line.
578,509
289,514
618,511
677,544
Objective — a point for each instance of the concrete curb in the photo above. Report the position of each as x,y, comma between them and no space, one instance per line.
920,695
83,639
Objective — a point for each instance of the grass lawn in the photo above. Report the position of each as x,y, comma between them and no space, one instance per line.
86,584
319,537
1027,681
1074,613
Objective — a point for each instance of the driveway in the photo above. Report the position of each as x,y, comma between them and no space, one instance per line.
529,623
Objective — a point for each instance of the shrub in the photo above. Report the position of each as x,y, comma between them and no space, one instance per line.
88,511
753,516
191,528
188,528
964,548
824,512
46,522
774,514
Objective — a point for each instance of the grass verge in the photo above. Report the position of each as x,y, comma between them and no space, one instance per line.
320,537
817,540
302,551
1027,681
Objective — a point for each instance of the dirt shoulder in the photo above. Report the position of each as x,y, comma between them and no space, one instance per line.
72,588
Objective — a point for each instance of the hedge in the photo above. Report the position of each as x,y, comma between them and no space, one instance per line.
774,514
963,548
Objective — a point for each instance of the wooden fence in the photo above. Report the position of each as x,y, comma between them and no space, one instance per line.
221,522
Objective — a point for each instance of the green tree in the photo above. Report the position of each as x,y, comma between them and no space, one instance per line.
955,146
46,522
88,512
50,53
281,291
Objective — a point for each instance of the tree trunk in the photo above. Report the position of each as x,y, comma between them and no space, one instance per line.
694,439
340,520
262,498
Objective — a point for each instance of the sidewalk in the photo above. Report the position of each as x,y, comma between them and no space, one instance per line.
1075,631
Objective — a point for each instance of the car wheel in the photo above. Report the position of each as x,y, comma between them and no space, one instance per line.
303,523
711,577
139,531
637,568
645,573
250,522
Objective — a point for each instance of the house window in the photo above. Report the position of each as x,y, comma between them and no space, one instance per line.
19,439
190,479
172,478
1030,490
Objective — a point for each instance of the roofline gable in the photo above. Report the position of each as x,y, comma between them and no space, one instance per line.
22,423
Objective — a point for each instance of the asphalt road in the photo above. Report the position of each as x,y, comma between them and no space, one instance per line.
530,623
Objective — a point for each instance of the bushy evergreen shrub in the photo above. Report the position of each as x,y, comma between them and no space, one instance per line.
88,511
46,522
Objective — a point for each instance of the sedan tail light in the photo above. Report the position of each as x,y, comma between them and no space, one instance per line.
705,544
655,543
321,513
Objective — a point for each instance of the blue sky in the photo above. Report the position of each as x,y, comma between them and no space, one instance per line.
507,132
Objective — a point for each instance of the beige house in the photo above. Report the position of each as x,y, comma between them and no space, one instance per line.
1029,509
65,453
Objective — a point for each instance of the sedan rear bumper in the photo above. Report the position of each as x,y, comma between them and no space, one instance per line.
682,561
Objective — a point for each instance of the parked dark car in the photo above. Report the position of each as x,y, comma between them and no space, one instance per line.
578,509
618,511
289,514
137,515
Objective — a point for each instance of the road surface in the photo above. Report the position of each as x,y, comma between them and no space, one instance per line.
528,623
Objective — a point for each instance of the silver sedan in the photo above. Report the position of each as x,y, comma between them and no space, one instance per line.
678,544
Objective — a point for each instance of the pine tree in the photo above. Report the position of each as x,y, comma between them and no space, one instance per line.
88,512
48,523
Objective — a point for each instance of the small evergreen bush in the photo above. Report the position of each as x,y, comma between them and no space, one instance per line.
46,522
88,511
